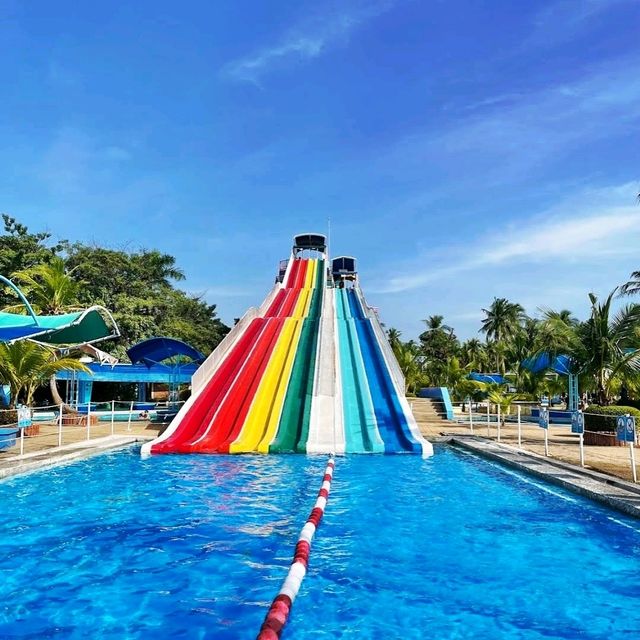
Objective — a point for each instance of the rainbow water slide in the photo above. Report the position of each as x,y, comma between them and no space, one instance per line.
237,410
310,370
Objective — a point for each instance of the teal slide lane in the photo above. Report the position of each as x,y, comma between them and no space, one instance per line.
361,432
390,416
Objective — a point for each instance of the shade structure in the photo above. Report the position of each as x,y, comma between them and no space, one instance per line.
81,327
544,362
487,378
155,350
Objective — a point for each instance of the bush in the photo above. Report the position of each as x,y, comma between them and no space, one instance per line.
9,416
604,418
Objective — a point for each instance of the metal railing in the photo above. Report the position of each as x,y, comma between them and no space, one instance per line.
39,429
520,427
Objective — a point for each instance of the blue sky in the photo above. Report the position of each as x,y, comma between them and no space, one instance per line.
463,150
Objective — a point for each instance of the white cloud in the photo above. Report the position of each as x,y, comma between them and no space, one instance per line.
307,41
595,223
564,20
506,139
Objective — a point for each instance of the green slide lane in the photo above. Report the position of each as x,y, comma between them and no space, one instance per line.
293,429
360,430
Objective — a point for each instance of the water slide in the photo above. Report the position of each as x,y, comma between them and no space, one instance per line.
278,416
293,430
390,416
212,419
309,371
359,418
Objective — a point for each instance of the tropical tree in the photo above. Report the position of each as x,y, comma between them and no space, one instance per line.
408,356
393,335
503,320
474,354
49,287
632,286
21,249
502,399
25,366
51,290
607,347
455,376
437,345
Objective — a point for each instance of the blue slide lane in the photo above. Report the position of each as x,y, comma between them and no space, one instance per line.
390,417
360,429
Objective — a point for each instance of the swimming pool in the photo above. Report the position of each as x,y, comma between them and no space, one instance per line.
197,546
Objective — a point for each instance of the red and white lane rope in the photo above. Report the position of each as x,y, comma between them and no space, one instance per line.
278,613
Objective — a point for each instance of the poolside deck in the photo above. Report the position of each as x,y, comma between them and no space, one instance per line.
563,445
42,451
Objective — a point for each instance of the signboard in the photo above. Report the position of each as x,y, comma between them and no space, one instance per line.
24,417
626,429
543,419
577,422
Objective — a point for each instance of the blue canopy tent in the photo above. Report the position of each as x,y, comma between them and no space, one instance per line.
543,362
487,378
155,360
562,365
157,350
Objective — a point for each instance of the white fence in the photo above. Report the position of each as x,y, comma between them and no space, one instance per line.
31,430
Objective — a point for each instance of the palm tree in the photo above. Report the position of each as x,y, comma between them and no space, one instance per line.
25,366
608,348
503,320
632,287
564,315
436,322
408,355
50,288
393,335
474,354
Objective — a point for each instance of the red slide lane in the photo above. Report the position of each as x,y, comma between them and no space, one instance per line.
219,412
205,405
301,274
228,423
276,305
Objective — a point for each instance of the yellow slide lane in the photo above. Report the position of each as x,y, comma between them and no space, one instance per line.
267,403
302,305
269,432
262,421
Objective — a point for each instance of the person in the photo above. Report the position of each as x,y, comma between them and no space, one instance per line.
144,415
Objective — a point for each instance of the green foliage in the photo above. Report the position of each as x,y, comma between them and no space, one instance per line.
49,287
501,399
25,365
632,287
137,287
598,418
20,250
503,321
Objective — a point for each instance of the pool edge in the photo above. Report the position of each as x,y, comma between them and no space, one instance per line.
68,454
613,492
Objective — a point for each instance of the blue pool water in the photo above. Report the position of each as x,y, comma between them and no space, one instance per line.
197,546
